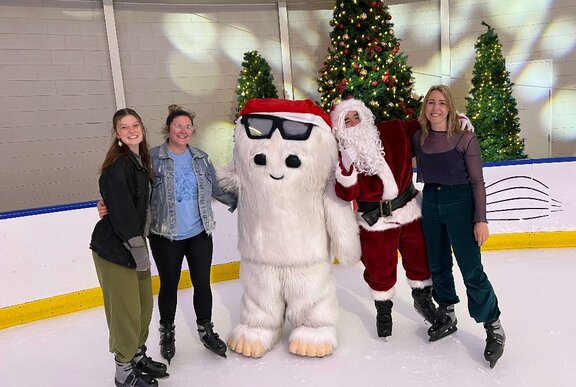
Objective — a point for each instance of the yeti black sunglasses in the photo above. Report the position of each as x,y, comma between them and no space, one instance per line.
260,126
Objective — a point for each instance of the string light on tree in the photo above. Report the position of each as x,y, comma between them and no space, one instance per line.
490,104
357,68
255,81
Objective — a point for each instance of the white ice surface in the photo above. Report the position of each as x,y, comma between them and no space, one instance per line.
536,290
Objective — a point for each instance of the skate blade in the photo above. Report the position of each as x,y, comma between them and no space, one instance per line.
446,333
219,353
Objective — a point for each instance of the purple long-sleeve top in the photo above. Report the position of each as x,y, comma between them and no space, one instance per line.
451,160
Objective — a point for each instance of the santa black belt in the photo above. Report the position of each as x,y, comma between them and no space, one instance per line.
374,210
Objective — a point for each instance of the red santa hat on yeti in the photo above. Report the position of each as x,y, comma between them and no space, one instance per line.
301,110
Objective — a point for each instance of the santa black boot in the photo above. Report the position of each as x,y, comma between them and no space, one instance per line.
495,340
167,341
144,364
210,339
423,303
445,323
384,318
128,376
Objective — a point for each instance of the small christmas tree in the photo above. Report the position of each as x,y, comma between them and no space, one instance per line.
490,105
365,62
256,80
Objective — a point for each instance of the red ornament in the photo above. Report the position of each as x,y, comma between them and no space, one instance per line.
388,17
346,51
374,83
358,25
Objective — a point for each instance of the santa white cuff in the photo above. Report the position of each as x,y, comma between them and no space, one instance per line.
346,180
414,284
383,295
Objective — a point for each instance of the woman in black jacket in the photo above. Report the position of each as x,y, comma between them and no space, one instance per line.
120,253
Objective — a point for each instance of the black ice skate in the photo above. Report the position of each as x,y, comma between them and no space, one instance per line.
145,365
423,303
384,318
495,340
445,323
167,341
211,340
132,377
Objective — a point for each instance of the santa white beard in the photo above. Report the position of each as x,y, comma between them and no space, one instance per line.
365,140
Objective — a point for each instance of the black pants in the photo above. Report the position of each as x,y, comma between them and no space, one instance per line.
168,256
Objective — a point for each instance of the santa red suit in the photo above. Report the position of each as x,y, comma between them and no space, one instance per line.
388,210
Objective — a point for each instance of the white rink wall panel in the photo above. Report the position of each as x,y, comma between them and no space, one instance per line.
47,255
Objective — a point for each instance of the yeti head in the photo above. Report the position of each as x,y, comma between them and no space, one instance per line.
284,145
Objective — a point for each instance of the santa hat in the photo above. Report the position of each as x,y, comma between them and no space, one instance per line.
302,110
338,113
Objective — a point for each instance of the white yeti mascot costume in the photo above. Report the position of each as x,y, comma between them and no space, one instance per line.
290,226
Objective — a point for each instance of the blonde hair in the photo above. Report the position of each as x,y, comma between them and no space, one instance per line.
453,122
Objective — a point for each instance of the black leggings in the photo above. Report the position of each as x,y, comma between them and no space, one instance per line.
168,256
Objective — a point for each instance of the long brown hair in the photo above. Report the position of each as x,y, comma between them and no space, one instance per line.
453,123
116,151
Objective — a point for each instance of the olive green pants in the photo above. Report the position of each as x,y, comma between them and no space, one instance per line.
128,306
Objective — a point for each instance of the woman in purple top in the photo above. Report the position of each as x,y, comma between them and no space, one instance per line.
454,218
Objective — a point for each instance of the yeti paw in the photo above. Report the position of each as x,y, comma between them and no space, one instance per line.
252,342
247,348
313,342
302,348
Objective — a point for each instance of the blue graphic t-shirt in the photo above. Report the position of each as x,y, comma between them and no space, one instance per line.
188,219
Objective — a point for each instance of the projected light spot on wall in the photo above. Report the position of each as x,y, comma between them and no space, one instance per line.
566,29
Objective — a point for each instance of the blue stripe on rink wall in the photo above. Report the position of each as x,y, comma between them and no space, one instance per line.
77,206
46,210
530,161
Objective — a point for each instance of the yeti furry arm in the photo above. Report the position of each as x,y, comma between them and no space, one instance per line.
228,179
342,227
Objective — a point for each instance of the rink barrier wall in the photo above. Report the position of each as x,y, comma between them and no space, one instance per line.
48,269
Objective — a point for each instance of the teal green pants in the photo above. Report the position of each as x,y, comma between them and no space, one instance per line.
128,306
448,222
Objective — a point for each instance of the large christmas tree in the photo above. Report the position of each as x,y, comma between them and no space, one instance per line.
255,81
364,61
490,105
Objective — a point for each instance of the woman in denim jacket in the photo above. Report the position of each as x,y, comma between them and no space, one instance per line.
181,226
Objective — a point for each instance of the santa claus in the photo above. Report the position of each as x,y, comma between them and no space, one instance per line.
375,170
290,226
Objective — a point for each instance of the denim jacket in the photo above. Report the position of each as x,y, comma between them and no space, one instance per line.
163,201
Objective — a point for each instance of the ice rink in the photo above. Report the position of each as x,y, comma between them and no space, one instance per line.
537,295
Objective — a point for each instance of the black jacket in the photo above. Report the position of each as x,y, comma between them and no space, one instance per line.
125,188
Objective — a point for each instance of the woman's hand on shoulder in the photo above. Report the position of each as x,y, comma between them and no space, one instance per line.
481,233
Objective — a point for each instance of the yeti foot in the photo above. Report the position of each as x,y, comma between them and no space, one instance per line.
303,348
246,347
